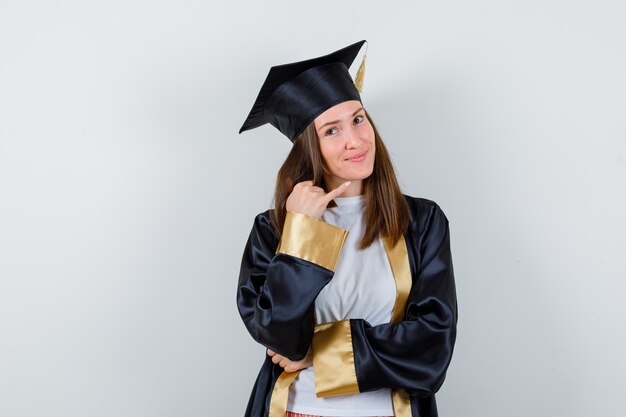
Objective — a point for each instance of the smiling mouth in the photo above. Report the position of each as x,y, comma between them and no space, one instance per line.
357,158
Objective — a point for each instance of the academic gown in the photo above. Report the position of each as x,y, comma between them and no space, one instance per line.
280,279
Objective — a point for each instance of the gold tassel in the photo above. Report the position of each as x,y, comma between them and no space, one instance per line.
360,74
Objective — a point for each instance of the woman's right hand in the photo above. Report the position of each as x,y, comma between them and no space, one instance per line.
289,365
311,200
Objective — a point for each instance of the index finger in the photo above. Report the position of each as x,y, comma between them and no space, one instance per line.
337,191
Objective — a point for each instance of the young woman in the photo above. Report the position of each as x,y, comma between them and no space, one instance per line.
348,282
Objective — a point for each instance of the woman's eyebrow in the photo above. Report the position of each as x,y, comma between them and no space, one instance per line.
337,121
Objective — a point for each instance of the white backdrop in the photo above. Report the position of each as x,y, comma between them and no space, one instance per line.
126,194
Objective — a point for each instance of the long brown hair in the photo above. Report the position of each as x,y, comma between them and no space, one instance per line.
386,211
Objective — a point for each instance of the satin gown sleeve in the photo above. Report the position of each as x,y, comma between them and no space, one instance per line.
412,354
280,279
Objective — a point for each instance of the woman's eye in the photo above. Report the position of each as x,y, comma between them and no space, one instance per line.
358,119
330,130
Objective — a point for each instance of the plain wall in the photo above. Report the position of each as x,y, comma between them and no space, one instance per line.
127,196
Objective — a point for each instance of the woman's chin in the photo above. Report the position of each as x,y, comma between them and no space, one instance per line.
359,175
354,178
352,175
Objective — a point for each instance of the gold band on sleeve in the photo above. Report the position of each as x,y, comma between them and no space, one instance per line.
311,239
333,360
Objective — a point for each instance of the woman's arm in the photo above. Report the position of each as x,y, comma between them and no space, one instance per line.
279,281
352,356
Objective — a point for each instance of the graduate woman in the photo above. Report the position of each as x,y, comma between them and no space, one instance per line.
347,281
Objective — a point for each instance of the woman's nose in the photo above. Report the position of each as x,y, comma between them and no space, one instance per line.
353,140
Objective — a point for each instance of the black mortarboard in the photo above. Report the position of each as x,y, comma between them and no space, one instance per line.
293,95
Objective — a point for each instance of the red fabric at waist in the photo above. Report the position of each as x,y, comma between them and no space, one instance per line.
290,414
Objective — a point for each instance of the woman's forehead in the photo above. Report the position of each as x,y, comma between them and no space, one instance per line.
344,110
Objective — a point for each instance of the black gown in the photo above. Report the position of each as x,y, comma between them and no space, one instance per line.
280,279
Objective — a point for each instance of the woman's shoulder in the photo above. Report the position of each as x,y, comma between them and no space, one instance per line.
264,219
425,212
265,215
263,230
264,222
421,203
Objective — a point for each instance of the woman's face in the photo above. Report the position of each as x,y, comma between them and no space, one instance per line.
347,144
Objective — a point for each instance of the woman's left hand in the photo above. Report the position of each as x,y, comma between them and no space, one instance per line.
289,365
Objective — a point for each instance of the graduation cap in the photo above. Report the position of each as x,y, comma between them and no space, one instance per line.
293,95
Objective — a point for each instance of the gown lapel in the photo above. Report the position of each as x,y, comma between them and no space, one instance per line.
399,260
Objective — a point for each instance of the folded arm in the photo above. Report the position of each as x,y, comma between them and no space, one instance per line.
352,356
279,280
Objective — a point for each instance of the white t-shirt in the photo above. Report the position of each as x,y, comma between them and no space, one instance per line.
362,287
